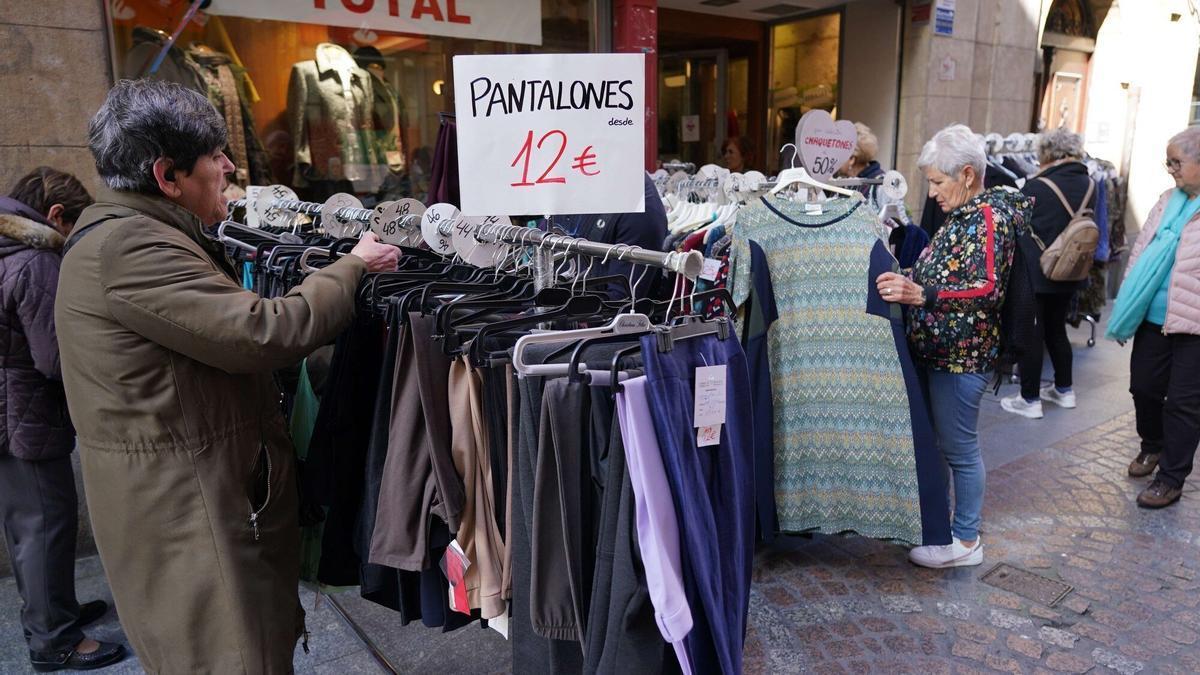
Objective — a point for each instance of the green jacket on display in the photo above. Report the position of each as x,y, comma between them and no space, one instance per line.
330,113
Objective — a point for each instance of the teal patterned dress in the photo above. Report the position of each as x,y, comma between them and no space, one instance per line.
844,455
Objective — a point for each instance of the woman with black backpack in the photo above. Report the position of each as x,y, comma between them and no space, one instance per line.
1064,177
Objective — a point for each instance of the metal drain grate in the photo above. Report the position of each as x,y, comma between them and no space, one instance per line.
1026,584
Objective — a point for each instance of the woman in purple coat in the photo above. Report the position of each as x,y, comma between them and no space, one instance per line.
38,504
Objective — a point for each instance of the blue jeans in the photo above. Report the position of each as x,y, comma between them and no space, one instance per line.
954,402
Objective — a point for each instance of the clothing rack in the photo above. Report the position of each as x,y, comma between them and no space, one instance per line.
688,264
677,165
312,209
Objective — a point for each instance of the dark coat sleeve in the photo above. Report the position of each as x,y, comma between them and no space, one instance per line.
37,284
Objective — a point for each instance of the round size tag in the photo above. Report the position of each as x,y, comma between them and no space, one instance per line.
398,222
433,218
266,205
335,225
894,187
478,253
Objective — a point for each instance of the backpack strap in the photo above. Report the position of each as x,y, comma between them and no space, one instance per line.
1074,213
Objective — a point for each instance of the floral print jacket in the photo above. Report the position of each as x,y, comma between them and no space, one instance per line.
965,273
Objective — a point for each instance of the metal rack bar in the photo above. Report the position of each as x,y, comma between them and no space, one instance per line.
688,264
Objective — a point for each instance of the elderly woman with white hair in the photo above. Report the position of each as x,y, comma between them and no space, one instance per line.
956,290
1060,153
1159,307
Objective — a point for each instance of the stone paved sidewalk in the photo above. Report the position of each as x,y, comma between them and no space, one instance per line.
852,605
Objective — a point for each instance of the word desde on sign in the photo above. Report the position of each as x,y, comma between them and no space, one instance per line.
540,134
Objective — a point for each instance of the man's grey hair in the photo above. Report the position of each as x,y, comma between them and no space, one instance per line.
952,149
1188,142
143,120
1058,144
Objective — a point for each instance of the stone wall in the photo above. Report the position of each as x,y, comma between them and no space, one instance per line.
981,76
54,73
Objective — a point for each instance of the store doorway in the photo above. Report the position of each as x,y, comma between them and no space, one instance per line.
693,90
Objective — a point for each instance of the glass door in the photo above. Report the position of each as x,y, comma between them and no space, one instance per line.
692,105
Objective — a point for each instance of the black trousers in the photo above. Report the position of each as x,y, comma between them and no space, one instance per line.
1164,378
39,511
1051,330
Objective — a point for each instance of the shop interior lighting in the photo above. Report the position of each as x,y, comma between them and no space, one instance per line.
437,86
675,81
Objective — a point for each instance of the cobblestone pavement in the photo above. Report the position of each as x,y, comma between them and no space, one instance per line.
852,605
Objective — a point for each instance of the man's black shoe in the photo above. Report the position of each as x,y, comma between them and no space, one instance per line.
105,655
90,612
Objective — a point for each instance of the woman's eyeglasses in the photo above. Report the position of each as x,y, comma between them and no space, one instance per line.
1173,164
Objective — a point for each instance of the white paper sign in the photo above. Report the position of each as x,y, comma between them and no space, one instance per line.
710,396
508,21
690,128
824,144
551,133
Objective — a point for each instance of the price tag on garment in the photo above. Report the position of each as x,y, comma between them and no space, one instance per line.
710,270
709,435
551,133
824,144
710,396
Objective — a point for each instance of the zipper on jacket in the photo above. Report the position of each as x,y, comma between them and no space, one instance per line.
255,513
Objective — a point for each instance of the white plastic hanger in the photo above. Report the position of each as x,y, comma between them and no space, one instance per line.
797,175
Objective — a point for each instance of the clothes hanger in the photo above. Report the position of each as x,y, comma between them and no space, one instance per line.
579,307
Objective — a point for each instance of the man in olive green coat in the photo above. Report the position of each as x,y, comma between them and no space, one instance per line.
167,363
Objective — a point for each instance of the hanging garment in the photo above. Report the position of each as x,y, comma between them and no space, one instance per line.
621,629
531,651
931,478
226,88
760,314
657,524
304,415
844,455
907,241
713,490
330,118
443,178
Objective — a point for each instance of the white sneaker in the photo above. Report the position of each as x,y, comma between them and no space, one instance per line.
952,555
1017,405
1049,393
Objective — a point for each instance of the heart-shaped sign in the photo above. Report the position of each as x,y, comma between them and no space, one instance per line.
824,144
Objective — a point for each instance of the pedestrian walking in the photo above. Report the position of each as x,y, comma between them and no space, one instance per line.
1060,153
956,290
1159,307
38,505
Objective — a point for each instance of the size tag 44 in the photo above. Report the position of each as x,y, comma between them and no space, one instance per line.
710,396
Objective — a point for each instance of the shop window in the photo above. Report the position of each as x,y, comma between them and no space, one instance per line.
805,65
379,146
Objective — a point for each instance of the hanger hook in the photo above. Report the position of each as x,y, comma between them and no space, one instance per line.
795,152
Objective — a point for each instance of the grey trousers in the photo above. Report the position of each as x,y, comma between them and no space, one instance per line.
39,512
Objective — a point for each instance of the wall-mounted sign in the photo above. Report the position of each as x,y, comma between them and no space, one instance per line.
551,133
825,144
517,21
690,128
943,17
